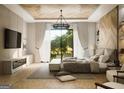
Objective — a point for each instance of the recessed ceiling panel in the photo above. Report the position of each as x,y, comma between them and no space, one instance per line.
52,11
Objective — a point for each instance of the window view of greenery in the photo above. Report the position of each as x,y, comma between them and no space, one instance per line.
62,44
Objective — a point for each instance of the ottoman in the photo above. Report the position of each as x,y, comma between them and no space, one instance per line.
54,66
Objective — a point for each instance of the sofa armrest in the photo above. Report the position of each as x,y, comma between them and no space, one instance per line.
118,77
103,86
120,71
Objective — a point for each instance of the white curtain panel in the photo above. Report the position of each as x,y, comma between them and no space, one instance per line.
40,29
78,50
82,29
45,48
46,45
83,34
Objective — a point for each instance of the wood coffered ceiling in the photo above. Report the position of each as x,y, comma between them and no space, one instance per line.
52,11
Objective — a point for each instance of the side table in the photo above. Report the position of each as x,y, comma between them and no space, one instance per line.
113,68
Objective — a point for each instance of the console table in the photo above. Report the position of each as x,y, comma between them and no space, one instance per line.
9,66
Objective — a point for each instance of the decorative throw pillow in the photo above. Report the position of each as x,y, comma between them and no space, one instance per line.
103,58
108,52
96,57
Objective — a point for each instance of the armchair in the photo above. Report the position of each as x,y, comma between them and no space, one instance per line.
111,85
111,73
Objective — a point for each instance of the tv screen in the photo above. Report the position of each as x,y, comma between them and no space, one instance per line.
12,39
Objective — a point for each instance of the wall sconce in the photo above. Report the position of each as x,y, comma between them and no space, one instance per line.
24,44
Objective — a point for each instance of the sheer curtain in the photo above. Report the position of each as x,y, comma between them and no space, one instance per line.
83,34
77,49
46,45
39,37
82,30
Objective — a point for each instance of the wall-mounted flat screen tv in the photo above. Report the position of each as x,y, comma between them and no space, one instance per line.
12,39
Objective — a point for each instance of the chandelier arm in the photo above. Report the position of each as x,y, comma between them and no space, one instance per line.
64,19
58,19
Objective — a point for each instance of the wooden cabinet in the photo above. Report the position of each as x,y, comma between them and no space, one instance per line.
12,65
9,66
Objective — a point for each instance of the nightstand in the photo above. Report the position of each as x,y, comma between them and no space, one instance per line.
113,68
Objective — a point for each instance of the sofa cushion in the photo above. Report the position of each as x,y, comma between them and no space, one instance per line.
109,75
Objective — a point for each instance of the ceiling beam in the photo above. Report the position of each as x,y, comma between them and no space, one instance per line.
101,11
20,12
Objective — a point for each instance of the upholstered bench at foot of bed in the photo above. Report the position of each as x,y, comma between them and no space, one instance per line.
77,67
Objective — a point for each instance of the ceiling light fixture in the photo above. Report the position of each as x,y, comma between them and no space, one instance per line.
61,23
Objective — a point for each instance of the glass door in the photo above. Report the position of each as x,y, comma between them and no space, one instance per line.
61,44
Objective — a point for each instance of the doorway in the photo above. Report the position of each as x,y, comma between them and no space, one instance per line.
61,44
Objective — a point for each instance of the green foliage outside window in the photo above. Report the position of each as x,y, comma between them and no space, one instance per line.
62,43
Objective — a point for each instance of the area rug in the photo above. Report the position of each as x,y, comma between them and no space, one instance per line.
39,74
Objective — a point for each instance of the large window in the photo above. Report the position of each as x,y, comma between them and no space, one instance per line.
61,44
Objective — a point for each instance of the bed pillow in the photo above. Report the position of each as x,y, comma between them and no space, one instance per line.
108,52
95,58
103,58
99,51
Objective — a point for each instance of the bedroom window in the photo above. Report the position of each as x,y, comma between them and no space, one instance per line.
61,44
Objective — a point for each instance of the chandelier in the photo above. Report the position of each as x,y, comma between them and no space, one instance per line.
61,23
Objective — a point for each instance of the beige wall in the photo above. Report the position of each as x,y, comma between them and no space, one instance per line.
12,21
121,32
31,39
91,38
107,27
